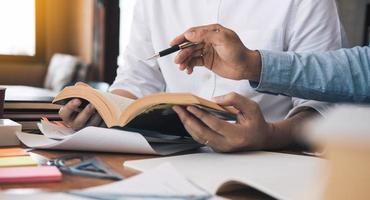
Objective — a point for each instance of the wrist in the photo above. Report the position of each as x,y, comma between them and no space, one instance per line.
253,65
269,136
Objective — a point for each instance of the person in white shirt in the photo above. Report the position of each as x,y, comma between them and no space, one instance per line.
289,25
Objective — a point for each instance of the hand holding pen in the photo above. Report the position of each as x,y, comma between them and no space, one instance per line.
173,49
220,50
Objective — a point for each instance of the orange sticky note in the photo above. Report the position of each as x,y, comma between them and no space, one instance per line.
30,174
13,152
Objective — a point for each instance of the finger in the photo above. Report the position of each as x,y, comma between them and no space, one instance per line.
185,53
199,34
196,129
196,59
213,33
66,113
219,126
94,120
82,118
243,104
194,62
178,40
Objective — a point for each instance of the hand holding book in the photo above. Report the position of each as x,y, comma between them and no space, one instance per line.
77,116
151,113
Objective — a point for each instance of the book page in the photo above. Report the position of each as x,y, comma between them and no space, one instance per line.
120,103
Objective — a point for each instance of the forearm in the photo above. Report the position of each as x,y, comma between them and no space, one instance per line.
285,133
336,76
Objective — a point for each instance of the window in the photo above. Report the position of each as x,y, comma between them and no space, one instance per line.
18,27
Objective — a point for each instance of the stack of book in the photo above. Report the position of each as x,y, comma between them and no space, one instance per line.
27,105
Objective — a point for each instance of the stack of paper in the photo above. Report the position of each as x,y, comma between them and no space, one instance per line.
105,140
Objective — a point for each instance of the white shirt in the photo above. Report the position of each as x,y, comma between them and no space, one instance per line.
281,25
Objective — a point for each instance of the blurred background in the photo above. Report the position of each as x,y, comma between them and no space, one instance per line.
44,40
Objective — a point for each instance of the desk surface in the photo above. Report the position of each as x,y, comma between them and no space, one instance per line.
114,161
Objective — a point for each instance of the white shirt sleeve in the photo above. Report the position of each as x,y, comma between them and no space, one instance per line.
135,74
316,27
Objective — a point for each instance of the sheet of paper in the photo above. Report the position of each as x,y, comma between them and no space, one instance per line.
53,131
6,152
104,140
282,176
29,174
162,182
17,161
39,195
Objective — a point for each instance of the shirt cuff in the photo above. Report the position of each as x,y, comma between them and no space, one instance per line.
275,72
320,107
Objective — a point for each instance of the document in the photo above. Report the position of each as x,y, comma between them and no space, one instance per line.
282,176
103,140
162,182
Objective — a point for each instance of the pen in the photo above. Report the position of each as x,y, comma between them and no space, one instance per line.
172,50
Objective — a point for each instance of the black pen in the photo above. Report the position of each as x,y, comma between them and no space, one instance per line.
172,50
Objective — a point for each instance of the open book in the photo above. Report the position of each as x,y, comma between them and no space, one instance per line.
282,176
150,113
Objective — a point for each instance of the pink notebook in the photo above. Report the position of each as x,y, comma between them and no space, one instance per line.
29,174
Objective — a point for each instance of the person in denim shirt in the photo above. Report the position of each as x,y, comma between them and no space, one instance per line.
335,76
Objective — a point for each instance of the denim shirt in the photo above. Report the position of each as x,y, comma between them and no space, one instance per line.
335,76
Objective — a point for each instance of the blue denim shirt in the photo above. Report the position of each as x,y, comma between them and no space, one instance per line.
335,76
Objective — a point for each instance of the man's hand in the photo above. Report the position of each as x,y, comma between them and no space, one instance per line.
250,132
77,118
220,50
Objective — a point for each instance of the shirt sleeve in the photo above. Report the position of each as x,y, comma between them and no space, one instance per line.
334,76
314,27
135,74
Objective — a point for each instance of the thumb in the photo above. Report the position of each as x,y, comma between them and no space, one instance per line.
194,35
241,103
191,35
207,33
